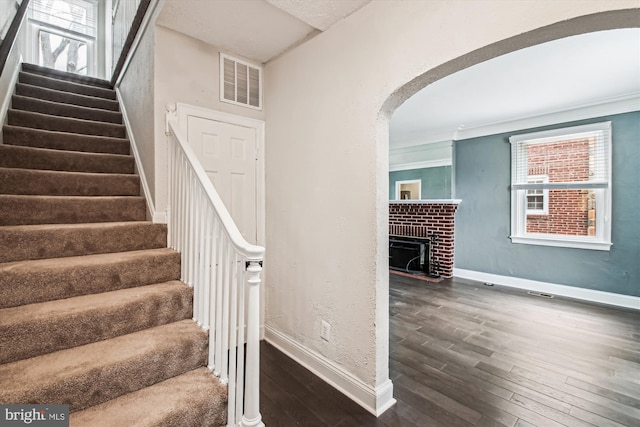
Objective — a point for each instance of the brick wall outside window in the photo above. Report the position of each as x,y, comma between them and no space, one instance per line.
422,219
571,212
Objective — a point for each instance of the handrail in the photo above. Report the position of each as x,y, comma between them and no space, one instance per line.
239,243
224,271
131,35
10,38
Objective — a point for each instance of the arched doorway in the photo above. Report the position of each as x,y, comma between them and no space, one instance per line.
576,26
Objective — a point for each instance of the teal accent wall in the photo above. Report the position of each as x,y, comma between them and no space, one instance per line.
436,182
483,219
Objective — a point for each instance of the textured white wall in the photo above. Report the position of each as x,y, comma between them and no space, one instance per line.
187,70
136,90
327,113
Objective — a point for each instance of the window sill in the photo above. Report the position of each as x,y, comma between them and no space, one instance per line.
562,243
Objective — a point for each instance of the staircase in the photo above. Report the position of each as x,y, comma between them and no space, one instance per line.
92,313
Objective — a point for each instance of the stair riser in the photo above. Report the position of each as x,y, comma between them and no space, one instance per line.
24,283
82,387
65,86
63,124
62,75
45,331
66,97
56,160
63,141
29,243
20,210
64,110
51,183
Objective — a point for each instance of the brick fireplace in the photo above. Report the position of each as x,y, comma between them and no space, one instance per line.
423,218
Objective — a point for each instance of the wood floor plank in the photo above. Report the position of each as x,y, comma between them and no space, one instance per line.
466,355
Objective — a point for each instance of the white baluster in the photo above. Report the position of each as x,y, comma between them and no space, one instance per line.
208,263
170,196
219,292
241,283
224,362
195,261
233,339
251,416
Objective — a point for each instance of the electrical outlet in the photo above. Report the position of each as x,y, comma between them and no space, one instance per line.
325,331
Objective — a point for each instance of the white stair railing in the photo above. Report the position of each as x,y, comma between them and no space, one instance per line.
224,271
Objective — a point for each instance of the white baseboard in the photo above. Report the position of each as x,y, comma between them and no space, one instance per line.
374,399
156,217
609,298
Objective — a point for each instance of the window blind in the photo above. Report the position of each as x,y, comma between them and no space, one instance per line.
572,158
78,16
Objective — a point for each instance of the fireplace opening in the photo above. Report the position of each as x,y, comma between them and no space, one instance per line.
412,255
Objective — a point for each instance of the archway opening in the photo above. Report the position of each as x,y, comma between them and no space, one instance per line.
586,27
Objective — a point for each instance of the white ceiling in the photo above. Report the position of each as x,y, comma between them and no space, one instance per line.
552,77
557,76
259,30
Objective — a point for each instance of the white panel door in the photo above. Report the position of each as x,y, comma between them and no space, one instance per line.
228,154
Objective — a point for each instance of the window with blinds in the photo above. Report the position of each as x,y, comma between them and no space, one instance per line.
561,187
63,34
240,82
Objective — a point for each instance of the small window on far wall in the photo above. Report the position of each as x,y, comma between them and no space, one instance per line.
409,190
537,199
561,187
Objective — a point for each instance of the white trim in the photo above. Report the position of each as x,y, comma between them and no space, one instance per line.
6,102
376,400
618,105
420,165
565,241
157,217
591,295
155,7
184,111
428,202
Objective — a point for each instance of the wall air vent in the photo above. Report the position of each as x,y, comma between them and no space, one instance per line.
240,82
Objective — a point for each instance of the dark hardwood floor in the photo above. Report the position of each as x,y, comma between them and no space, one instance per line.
464,354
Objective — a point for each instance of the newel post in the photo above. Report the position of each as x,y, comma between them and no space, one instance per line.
251,416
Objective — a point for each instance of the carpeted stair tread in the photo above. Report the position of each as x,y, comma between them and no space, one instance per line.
66,97
63,75
95,373
92,312
19,102
35,329
57,183
64,124
30,242
14,156
33,281
23,210
195,398
41,138
65,86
